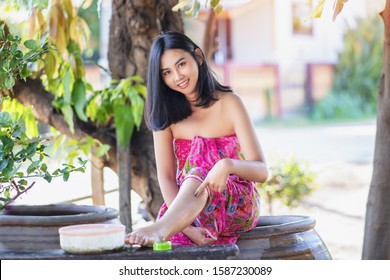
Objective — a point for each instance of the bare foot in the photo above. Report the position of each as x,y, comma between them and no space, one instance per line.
146,236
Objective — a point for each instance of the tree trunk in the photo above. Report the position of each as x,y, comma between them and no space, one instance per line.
210,46
377,226
134,24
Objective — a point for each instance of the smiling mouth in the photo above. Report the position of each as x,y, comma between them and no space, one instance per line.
183,84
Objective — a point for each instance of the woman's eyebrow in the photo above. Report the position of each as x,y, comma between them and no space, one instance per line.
176,63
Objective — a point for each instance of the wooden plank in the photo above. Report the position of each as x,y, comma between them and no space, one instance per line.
97,180
210,252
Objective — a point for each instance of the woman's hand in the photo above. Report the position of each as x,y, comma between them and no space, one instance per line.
198,235
217,178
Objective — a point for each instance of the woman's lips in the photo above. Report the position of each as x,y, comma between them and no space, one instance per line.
184,84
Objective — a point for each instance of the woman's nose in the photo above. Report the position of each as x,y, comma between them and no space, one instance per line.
178,75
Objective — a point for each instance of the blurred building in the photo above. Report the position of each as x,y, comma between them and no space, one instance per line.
274,55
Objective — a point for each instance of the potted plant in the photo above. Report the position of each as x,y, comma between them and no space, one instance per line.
22,158
35,227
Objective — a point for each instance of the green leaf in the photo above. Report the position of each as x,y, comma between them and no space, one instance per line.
137,106
66,83
92,109
66,176
102,150
7,194
124,123
22,182
31,168
141,90
80,169
3,164
48,177
136,78
13,48
31,124
44,167
68,116
214,3
25,72
31,44
86,148
31,56
19,54
31,150
9,82
8,144
5,119
79,100
2,33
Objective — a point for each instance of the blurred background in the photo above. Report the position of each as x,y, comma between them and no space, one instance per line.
311,88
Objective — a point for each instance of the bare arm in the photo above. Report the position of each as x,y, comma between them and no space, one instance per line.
254,167
165,162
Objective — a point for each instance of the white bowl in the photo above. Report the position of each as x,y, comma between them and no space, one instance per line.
92,238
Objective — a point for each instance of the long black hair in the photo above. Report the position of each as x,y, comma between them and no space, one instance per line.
165,106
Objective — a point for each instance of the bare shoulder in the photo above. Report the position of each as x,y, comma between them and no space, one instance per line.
230,100
232,104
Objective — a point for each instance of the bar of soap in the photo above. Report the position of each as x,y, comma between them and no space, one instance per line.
162,246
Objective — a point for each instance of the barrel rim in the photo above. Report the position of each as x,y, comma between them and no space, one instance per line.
280,224
60,214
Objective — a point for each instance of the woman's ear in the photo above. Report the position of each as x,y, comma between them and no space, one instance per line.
199,56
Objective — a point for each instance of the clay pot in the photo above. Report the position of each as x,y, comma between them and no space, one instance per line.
36,227
283,237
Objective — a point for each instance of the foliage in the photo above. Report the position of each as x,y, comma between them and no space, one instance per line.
357,73
123,100
13,63
338,5
90,13
22,158
290,182
62,72
192,7
342,107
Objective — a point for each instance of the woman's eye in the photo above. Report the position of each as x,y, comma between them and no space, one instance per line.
182,64
165,73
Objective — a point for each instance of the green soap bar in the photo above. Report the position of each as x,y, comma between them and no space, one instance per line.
162,246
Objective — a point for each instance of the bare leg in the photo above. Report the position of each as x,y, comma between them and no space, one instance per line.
179,215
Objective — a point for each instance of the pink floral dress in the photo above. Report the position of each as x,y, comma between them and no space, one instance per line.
227,214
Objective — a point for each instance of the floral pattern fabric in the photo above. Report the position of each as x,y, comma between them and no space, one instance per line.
227,214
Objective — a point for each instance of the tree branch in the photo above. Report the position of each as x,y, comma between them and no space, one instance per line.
32,94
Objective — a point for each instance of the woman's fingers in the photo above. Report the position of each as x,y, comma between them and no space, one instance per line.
200,189
213,187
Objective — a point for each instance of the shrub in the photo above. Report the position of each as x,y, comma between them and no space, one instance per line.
357,73
290,182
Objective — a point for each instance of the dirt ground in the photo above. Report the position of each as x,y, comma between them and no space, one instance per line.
341,156
338,206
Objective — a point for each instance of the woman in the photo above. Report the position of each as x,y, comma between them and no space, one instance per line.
209,190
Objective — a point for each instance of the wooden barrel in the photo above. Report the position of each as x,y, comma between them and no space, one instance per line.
36,227
283,237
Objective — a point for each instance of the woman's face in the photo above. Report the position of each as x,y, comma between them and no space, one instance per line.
180,72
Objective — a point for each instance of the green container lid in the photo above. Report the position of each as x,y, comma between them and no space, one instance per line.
162,246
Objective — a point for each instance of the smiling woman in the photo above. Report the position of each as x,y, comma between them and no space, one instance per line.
183,74
211,196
